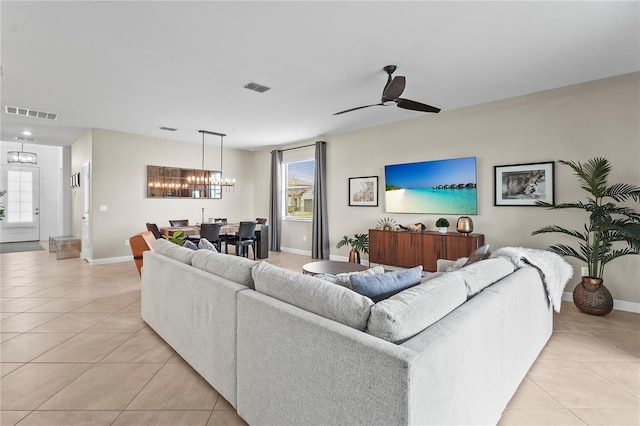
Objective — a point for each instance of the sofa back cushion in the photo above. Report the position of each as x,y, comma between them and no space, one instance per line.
233,268
482,274
407,313
312,294
174,251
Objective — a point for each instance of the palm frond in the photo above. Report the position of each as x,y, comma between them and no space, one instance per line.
565,250
593,174
555,228
623,192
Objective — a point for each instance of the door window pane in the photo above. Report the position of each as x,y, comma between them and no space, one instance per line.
19,197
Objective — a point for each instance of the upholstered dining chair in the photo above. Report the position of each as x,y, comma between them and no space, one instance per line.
140,243
154,229
180,222
211,231
244,240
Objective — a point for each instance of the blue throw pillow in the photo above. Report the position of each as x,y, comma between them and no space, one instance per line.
190,245
380,287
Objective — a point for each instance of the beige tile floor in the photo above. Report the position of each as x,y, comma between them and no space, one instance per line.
74,350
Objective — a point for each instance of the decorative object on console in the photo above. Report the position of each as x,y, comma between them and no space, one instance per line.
523,184
363,191
464,225
432,187
442,224
359,243
611,232
387,224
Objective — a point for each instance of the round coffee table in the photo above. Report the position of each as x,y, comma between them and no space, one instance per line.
331,267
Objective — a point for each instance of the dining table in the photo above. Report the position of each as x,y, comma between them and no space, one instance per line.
193,232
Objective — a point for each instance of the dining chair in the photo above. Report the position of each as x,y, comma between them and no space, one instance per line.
180,222
154,229
244,240
211,231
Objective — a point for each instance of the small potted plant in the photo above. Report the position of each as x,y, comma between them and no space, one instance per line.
359,243
176,237
442,224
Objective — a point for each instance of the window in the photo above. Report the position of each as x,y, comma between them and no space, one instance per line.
298,187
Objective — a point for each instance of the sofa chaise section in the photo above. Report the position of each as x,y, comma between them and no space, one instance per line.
194,311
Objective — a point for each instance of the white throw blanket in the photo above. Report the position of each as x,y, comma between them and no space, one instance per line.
555,271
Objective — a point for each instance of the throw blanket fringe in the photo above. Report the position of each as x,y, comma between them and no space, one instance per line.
555,271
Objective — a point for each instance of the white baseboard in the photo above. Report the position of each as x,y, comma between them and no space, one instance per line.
109,260
620,305
295,251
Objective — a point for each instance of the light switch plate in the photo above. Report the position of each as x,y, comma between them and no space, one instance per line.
103,207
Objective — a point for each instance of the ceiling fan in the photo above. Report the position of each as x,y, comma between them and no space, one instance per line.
391,94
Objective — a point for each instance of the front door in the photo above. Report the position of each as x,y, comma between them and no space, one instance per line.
21,202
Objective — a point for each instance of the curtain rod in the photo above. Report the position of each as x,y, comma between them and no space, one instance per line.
297,147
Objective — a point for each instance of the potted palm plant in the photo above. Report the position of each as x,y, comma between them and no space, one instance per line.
612,231
359,243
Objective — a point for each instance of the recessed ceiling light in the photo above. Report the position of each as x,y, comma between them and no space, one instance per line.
26,133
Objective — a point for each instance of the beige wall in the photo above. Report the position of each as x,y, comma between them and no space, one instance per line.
118,181
578,122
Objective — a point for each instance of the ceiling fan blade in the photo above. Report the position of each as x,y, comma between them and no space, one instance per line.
353,109
394,89
416,106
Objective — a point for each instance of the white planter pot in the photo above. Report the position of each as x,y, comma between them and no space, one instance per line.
443,229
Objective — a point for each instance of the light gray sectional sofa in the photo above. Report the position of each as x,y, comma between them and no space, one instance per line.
290,349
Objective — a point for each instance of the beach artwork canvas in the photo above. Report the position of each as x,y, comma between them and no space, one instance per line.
432,187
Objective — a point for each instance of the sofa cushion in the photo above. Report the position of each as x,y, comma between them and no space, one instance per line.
344,279
174,251
207,245
480,275
481,253
234,268
407,313
379,287
313,294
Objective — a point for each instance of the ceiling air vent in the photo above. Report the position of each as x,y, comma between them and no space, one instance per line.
168,129
256,87
23,139
26,112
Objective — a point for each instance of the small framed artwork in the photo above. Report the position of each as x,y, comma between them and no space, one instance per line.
523,184
363,191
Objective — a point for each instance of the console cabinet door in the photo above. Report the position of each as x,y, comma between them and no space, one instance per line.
409,249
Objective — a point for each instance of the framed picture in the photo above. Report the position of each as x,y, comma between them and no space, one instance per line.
523,184
363,191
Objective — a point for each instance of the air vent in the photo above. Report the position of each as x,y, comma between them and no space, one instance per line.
168,129
256,87
26,112
23,139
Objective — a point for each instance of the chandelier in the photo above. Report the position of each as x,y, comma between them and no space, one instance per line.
216,179
22,156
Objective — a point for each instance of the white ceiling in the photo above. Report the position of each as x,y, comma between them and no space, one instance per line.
135,66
